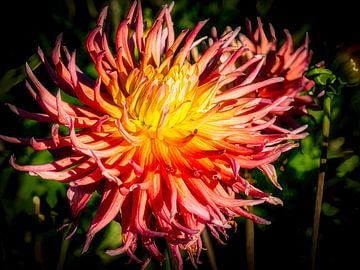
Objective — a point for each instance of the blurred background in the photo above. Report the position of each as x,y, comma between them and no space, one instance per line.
31,210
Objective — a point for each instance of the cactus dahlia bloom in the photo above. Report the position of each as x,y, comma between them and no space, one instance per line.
160,136
286,62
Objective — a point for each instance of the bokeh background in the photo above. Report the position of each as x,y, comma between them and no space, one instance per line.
31,210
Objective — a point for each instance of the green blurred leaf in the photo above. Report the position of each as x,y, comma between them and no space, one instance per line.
336,144
305,160
112,239
329,210
31,185
325,79
321,76
16,75
318,71
348,166
90,70
336,148
303,163
70,99
167,265
353,185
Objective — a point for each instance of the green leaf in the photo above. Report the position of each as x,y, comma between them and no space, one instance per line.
329,210
354,185
348,166
336,148
112,239
305,160
167,260
16,75
70,99
32,185
325,79
317,71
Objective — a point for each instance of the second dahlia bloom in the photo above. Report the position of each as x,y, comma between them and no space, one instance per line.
286,61
160,136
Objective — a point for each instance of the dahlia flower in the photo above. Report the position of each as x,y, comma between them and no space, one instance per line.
286,62
159,135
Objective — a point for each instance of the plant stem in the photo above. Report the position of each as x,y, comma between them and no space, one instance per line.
62,256
209,248
249,232
321,178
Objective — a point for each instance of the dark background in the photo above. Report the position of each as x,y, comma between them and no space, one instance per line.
28,241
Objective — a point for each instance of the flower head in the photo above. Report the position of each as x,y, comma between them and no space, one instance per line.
285,61
159,134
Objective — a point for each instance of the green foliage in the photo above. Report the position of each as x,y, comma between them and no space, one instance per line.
321,76
325,80
307,159
16,75
348,166
31,186
329,210
110,240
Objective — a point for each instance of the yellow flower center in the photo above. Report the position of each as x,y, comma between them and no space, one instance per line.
159,101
